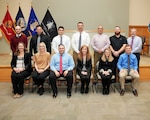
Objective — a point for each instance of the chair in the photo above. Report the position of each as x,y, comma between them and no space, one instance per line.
27,81
97,82
78,81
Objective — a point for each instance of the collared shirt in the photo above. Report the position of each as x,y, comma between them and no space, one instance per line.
65,42
85,40
100,41
67,62
117,42
137,44
123,61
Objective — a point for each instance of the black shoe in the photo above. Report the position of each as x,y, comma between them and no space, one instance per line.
135,93
107,91
68,95
122,92
103,91
54,95
41,91
82,90
87,90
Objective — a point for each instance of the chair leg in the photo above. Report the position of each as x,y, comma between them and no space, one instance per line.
76,87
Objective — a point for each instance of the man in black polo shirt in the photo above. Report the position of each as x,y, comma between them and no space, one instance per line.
117,44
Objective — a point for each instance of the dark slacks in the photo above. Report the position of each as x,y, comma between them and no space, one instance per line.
106,80
138,58
18,81
39,78
85,79
69,79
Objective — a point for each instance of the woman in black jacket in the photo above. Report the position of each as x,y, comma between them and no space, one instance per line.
106,69
84,67
21,68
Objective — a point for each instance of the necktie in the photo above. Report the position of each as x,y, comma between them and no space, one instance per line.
79,42
132,42
128,64
60,66
60,39
38,41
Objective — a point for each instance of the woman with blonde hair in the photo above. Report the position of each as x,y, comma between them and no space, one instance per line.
21,65
41,63
84,67
106,69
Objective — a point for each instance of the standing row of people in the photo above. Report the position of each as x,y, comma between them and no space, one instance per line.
100,43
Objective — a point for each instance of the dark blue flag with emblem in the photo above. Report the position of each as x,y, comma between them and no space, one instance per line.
20,21
32,22
49,26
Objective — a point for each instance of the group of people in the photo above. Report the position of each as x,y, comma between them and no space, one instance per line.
113,54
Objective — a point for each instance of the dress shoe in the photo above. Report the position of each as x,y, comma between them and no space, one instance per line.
82,90
41,91
19,95
68,95
135,93
54,95
87,90
122,92
15,96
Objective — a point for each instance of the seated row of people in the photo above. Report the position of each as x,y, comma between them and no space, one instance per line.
62,65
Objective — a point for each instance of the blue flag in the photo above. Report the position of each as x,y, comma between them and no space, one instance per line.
20,21
49,26
32,22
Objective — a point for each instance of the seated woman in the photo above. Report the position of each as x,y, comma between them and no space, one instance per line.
106,69
21,65
41,62
84,67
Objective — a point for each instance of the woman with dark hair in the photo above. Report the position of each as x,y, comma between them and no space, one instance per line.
106,69
21,65
41,62
84,67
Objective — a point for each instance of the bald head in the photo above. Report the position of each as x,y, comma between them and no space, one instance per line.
133,32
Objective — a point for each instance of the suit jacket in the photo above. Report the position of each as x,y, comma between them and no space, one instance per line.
88,66
33,43
27,62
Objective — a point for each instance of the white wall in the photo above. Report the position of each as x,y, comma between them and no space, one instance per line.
139,12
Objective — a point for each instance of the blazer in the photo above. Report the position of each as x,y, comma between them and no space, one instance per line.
33,43
80,66
105,65
27,62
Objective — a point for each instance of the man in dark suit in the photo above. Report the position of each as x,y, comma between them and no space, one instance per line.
39,37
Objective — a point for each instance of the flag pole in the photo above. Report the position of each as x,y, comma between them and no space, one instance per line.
48,4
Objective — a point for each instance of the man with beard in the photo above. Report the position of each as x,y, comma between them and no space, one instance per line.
117,44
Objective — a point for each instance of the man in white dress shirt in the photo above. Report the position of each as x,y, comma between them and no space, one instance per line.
136,44
61,39
78,39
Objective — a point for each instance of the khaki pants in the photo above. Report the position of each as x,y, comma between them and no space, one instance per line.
96,59
123,73
75,55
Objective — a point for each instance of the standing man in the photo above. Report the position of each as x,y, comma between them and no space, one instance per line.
19,37
39,37
78,39
61,39
127,65
136,44
61,65
99,43
117,44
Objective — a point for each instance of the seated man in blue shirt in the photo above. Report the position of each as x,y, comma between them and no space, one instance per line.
128,65
61,65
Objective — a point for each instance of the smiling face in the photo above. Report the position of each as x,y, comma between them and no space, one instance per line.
21,47
128,49
60,31
80,27
84,50
61,49
100,29
39,30
42,47
107,53
18,29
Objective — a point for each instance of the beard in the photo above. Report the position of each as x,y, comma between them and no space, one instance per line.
117,33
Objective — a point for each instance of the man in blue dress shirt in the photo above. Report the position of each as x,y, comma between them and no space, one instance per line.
61,65
128,65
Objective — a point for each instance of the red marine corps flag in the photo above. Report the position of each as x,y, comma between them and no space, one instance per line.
7,26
